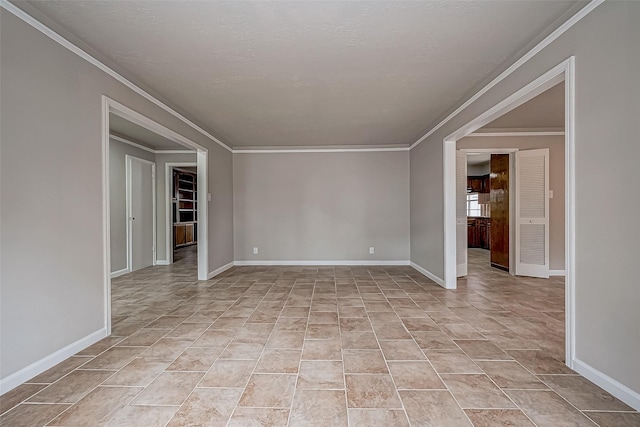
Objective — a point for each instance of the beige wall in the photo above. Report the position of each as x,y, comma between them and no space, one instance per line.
322,206
604,44
555,144
52,244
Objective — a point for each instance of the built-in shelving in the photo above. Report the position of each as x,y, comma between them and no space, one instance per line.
185,208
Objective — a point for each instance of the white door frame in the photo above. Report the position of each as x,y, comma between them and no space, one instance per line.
565,71
128,207
168,174
111,106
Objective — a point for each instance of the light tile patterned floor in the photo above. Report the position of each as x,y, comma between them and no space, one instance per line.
328,346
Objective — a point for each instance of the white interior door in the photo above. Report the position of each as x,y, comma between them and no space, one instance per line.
532,213
461,213
141,213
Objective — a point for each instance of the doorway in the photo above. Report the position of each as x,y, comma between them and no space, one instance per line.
113,112
181,210
489,202
563,72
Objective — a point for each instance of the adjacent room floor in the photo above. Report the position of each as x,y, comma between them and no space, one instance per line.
327,346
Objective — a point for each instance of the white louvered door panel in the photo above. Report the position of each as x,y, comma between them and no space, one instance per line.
461,213
532,213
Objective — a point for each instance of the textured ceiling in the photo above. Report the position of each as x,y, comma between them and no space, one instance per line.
134,133
309,73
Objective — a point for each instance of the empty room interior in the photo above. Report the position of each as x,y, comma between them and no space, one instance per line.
319,213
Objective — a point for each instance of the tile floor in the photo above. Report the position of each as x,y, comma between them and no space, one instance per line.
329,346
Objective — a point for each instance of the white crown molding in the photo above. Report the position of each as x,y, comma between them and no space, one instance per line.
502,134
526,57
36,368
5,4
19,13
317,150
148,149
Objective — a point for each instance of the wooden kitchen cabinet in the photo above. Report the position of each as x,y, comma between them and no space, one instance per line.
478,184
478,232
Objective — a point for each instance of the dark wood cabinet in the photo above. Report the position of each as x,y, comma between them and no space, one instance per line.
472,233
478,232
478,184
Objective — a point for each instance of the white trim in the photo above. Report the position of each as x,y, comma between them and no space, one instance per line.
168,186
527,56
317,150
350,262
106,216
36,368
119,273
602,380
570,210
173,151
489,150
162,262
222,269
145,148
450,219
202,198
427,273
87,57
133,144
557,273
500,134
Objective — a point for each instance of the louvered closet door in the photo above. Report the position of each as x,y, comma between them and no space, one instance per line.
532,213
461,213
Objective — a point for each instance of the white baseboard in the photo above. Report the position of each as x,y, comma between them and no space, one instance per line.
557,273
619,390
162,262
36,368
429,274
222,269
119,273
313,263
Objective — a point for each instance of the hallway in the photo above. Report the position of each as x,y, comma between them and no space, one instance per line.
358,346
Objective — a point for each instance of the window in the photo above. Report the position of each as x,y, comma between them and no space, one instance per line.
473,207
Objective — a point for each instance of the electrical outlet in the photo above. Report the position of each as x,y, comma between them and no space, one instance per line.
372,250
255,250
